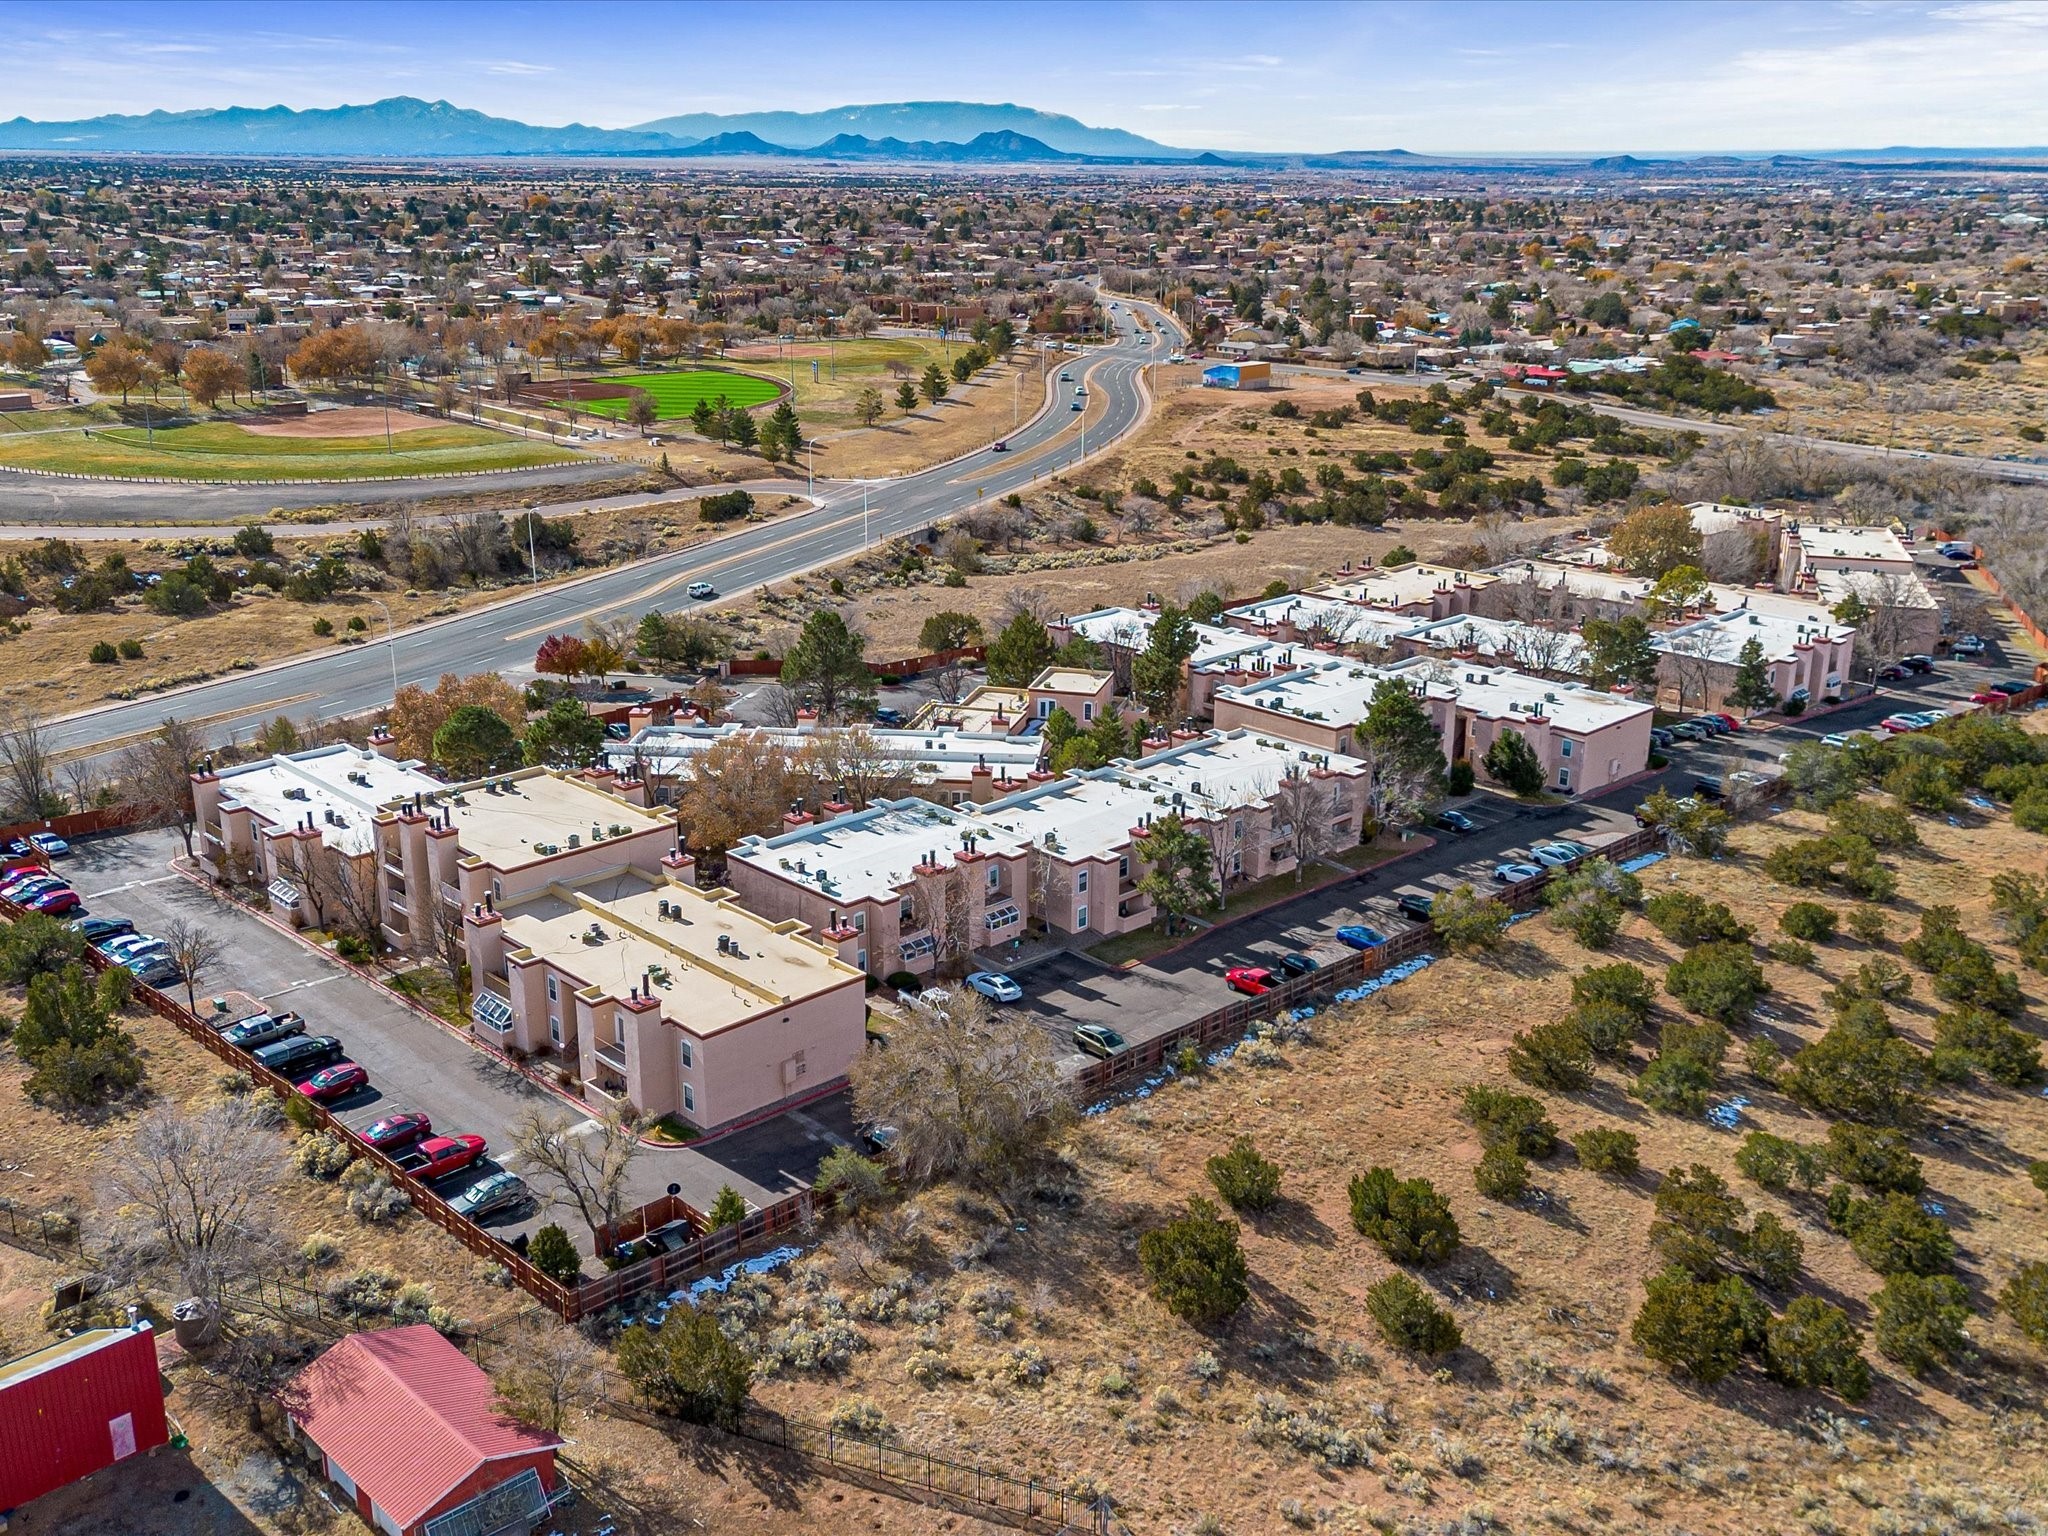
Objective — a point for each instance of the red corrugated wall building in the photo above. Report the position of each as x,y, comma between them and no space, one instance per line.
77,1407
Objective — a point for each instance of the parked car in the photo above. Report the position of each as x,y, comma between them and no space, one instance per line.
1713,725
1295,963
1551,856
1583,850
299,1056
1968,645
131,943
1686,730
1956,551
884,715
1415,904
1098,1040
263,1029
1733,722
97,930
439,1156
1360,936
1251,980
1660,736
21,870
395,1132
995,986
153,969
18,848
1892,672
1513,871
29,885
1898,724
55,903
1456,821
1917,663
49,844
1987,696
336,1082
2011,685
489,1195
701,589
879,1138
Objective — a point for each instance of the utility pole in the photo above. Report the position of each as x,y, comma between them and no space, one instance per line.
390,645
532,564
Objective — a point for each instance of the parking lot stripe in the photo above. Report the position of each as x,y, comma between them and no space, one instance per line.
301,985
132,885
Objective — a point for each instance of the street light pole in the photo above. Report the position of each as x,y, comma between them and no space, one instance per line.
810,466
390,645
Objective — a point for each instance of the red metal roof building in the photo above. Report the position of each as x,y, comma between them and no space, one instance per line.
405,1425
75,1408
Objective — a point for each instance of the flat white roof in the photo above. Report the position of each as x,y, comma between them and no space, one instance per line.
1327,690
936,753
1396,586
1620,587
1844,541
867,855
1894,589
1501,693
1215,648
1721,636
1334,620
1718,517
1526,645
609,933
340,787
504,821
1090,814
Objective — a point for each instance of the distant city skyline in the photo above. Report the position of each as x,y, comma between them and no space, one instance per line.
1433,78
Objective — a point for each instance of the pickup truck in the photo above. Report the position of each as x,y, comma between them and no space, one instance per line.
263,1029
441,1155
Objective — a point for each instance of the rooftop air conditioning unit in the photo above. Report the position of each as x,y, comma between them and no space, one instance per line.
575,841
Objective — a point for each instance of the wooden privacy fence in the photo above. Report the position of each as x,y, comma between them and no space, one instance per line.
114,818
1234,1018
908,666
567,1302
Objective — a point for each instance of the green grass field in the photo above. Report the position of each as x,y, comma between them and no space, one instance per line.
677,394
224,451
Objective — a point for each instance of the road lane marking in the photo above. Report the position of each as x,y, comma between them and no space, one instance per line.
299,986
132,885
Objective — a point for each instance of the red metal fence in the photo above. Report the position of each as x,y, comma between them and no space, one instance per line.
569,1303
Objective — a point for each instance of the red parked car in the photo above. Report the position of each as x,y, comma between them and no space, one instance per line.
62,899
399,1130
439,1155
335,1082
1251,980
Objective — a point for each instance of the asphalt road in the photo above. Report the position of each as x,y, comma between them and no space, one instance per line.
847,518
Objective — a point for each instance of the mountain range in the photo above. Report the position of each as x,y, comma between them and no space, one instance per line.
931,132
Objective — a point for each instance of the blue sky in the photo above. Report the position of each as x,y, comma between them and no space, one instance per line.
1743,75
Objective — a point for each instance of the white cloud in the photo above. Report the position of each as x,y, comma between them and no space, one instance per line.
516,67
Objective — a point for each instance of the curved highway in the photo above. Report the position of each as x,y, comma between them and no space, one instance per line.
847,516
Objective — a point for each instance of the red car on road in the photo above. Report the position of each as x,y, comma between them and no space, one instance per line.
396,1131
1251,980
439,1155
335,1082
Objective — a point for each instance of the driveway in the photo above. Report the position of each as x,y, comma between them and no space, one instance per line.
460,1086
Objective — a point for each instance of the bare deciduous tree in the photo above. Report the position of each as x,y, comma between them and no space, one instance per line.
193,1208
196,951
156,777
549,1372
971,1092
28,763
1303,808
589,1161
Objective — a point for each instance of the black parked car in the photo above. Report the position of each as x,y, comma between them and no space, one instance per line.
1415,904
1456,821
1295,963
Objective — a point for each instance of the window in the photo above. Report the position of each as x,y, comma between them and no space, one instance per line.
916,948
1002,916
1045,709
860,922
1123,867
1564,748
904,912
555,1028
995,876
1564,778
1081,883
689,1056
1237,828
860,959
1081,918
552,994
689,1098
1088,710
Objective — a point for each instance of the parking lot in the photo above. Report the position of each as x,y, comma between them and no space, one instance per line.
1146,1001
461,1087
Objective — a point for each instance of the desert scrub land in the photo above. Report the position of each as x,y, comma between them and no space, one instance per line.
1027,1336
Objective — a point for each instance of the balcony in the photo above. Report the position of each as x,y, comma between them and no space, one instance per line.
495,981
613,1056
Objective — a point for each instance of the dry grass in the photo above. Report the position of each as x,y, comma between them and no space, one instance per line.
1978,414
1547,1415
